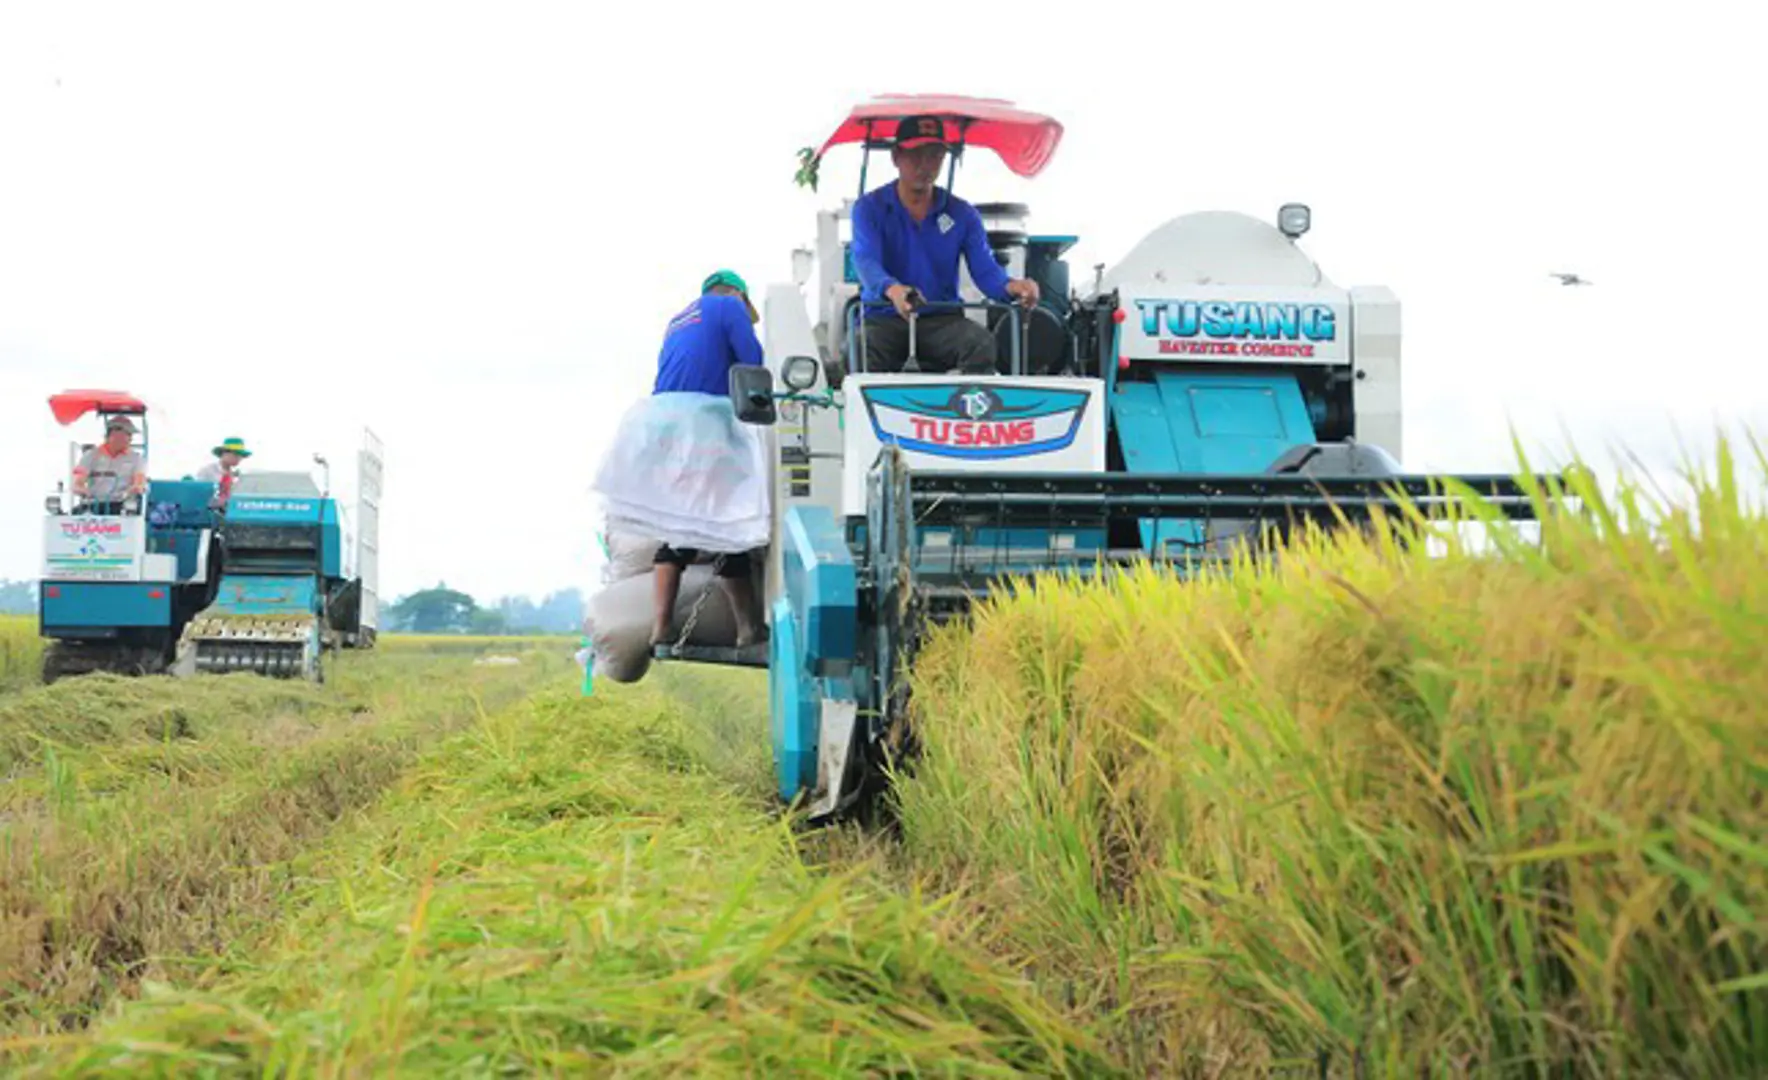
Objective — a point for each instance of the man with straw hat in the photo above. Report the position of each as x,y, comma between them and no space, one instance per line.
224,470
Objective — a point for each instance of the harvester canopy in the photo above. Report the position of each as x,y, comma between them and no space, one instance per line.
70,405
1024,141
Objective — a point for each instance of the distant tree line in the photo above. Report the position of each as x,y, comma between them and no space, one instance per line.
18,597
441,610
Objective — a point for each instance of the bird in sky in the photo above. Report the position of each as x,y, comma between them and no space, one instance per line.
1570,279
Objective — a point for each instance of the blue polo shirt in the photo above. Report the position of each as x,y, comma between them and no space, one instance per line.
891,247
703,342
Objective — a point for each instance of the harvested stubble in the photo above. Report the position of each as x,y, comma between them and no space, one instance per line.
1498,815
589,886
143,821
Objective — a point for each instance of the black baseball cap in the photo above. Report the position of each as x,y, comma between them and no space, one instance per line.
913,131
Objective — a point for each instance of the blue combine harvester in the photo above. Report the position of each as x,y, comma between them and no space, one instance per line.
174,580
1211,383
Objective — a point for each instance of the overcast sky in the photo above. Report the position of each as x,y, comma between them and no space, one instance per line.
465,227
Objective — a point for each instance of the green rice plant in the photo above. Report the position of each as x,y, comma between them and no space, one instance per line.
1494,812
584,886
21,652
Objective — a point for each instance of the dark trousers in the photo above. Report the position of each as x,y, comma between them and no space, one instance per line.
736,565
943,341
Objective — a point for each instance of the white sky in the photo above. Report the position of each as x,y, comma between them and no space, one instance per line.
466,226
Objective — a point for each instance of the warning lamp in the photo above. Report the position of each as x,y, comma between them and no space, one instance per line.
1119,316
1123,363
1293,219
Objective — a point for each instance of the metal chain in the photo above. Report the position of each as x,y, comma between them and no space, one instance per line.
705,593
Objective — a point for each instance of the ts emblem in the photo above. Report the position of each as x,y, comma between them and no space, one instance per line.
975,404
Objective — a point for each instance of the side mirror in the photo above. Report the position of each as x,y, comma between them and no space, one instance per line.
751,389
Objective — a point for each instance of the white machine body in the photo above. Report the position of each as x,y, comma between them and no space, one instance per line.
1202,288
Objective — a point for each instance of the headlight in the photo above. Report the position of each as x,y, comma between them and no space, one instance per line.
799,372
1293,219
52,504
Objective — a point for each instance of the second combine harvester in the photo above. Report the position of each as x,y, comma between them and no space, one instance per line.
1211,381
289,589
172,580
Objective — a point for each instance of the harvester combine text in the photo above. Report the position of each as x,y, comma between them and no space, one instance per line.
1211,387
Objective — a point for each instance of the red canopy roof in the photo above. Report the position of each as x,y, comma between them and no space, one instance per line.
1024,140
70,405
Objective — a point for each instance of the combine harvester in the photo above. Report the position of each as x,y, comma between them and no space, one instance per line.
1211,382
179,582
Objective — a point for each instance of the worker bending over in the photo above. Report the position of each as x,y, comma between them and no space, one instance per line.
683,470
110,472
909,235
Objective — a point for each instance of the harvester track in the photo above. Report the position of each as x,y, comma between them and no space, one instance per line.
66,659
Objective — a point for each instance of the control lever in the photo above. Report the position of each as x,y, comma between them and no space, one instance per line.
914,300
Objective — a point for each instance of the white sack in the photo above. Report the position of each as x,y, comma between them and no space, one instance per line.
681,469
628,555
622,616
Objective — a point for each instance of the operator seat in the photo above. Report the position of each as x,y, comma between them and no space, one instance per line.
1051,351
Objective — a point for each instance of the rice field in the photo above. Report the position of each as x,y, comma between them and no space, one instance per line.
559,884
1371,809
475,644
1362,812
145,821
21,652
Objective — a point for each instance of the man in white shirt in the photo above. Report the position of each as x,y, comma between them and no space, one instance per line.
224,470
112,471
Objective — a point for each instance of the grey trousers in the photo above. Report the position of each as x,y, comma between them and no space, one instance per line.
943,341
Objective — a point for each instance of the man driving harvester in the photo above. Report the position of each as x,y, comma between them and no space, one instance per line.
907,237
110,474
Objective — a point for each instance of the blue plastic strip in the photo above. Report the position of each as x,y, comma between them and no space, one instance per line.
74,605
792,709
815,620
267,594
1144,435
1201,423
1232,422
822,583
331,541
274,510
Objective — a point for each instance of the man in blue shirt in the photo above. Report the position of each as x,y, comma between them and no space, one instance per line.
702,343
909,235
707,338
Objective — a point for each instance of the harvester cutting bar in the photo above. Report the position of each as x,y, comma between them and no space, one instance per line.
283,660
279,645
1007,500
